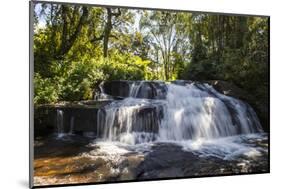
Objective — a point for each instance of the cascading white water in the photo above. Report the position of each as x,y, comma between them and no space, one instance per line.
244,113
135,88
189,112
102,95
192,113
122,121
60,130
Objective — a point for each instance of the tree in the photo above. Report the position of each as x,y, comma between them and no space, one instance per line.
165,31
67,22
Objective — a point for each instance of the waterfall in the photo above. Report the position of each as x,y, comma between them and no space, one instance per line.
60,129
101,95
130,121
188,111
193,112
135,88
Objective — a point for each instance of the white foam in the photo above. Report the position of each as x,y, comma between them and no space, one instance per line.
227,148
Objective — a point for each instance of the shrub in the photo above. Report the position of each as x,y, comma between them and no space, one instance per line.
45,90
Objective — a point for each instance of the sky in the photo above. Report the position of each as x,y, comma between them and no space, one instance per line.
42,18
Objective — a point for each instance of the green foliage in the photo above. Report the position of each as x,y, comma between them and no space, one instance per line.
79,80
72,81
229,48
45,91
125,67
78,47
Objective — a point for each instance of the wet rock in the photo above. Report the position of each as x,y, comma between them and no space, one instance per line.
75,117
120,89
166,160
152,90
116,88
74,161
170,161
44,121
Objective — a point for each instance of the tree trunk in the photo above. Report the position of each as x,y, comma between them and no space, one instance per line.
107,30
67,40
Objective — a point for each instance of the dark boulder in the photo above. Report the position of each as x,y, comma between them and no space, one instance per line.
152,90
116,88
139,89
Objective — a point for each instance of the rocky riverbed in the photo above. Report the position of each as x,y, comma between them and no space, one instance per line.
79,159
